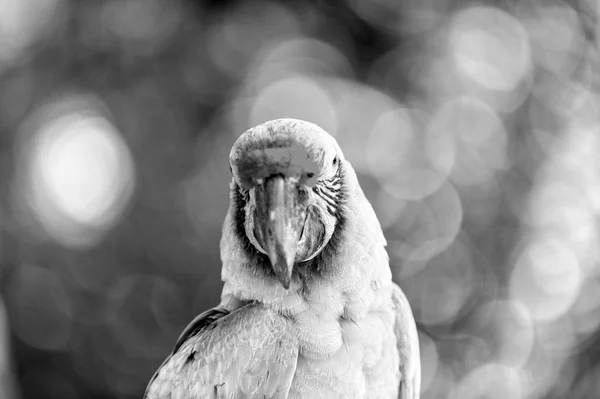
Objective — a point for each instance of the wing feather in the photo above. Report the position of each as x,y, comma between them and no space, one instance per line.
408,346
248,353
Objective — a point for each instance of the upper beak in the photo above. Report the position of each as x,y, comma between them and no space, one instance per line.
280,219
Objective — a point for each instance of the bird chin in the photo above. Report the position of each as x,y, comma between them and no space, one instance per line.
312,238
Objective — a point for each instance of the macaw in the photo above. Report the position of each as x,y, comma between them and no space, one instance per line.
308,307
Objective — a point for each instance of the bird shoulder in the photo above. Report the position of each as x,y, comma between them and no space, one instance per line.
248,352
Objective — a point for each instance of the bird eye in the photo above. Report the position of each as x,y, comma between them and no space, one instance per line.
310,175
335,161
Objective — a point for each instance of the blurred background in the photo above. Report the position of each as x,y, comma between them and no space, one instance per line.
473,126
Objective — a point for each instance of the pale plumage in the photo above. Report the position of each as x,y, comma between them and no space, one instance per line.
342,329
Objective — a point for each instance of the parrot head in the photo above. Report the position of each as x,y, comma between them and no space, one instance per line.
287,178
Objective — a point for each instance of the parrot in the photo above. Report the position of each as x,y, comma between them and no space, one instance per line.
308,307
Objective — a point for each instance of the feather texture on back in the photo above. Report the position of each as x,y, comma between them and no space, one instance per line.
249,353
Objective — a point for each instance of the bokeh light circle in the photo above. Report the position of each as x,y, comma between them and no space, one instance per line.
546,278
78,174
490,47
410,161
297,97
491,380
427,227
443,287
508,326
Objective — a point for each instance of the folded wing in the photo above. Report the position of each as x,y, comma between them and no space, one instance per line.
408,346
248,353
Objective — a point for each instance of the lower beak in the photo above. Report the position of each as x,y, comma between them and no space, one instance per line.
280,220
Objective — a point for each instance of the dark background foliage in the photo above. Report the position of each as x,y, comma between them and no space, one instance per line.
473,127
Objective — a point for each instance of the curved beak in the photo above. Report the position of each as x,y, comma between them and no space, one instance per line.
280,218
